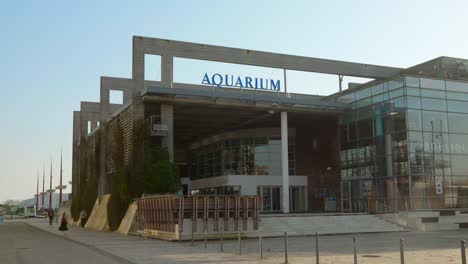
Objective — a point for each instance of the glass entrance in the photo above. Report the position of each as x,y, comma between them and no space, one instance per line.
271,198
297,199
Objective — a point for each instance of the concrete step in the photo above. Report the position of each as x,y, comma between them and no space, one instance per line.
334,224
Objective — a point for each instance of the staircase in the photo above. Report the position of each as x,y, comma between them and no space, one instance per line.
309,224
434,220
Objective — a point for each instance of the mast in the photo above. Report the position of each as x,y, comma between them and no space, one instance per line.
43,185
60,197
50,190
37,190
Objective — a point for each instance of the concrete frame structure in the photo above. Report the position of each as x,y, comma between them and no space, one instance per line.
137,91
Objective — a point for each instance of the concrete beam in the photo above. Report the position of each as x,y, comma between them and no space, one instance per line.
171,48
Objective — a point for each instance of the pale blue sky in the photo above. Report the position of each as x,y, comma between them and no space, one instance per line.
52,54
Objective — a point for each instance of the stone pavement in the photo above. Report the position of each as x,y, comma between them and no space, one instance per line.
427,248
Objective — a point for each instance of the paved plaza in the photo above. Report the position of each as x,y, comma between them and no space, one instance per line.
429,247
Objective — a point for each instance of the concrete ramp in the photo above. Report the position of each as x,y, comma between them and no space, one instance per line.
309,224
128,220
98,218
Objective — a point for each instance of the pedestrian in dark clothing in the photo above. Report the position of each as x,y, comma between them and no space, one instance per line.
83,216
50,214
63,223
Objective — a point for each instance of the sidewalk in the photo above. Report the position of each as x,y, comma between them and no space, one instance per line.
430,247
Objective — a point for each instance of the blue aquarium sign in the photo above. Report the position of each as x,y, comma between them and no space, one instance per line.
225,80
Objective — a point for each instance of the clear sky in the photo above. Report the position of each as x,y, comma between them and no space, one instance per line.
52,54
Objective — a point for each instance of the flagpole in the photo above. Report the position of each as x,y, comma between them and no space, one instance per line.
50,190
43,185
37,191
60,197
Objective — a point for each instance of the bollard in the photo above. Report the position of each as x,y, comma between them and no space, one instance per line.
355,249
285,247
238,243
317,255
191,243
221,245
463,253
402,251
260,243
206,237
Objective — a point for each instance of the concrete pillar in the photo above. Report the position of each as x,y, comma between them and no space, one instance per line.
284,160
167,118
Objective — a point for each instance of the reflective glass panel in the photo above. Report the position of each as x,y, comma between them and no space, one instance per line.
434,121
412,81
457,86
458,123
414,102
457,106
433,93
433,104
432,84
414,120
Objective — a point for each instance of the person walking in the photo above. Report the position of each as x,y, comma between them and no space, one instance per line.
50,214
83,216
63,223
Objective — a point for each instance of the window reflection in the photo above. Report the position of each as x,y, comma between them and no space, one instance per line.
246,156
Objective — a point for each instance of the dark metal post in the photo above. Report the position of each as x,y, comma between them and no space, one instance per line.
285,247
260,243
463,253
221,245
355,249
206,237
238,242
317,255
191,243
402,251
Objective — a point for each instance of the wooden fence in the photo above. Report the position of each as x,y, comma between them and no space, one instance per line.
163,213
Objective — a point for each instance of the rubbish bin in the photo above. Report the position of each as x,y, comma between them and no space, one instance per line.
1,219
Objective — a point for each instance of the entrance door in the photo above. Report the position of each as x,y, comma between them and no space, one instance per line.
297,199
271,198
345,197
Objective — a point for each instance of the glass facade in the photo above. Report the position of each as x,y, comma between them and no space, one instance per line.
404,145
241,156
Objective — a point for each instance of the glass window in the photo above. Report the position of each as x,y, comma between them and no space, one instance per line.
365,128
434,121
412,81
398,121
377,89
457,106
459,165
432,84
457,86
347,98
457,96
458,144
379,98
364,93
433,93
413,91
395,83
415,140
398,103
414,102
433,104
435,143
414,120
396,93
362,103
458,123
